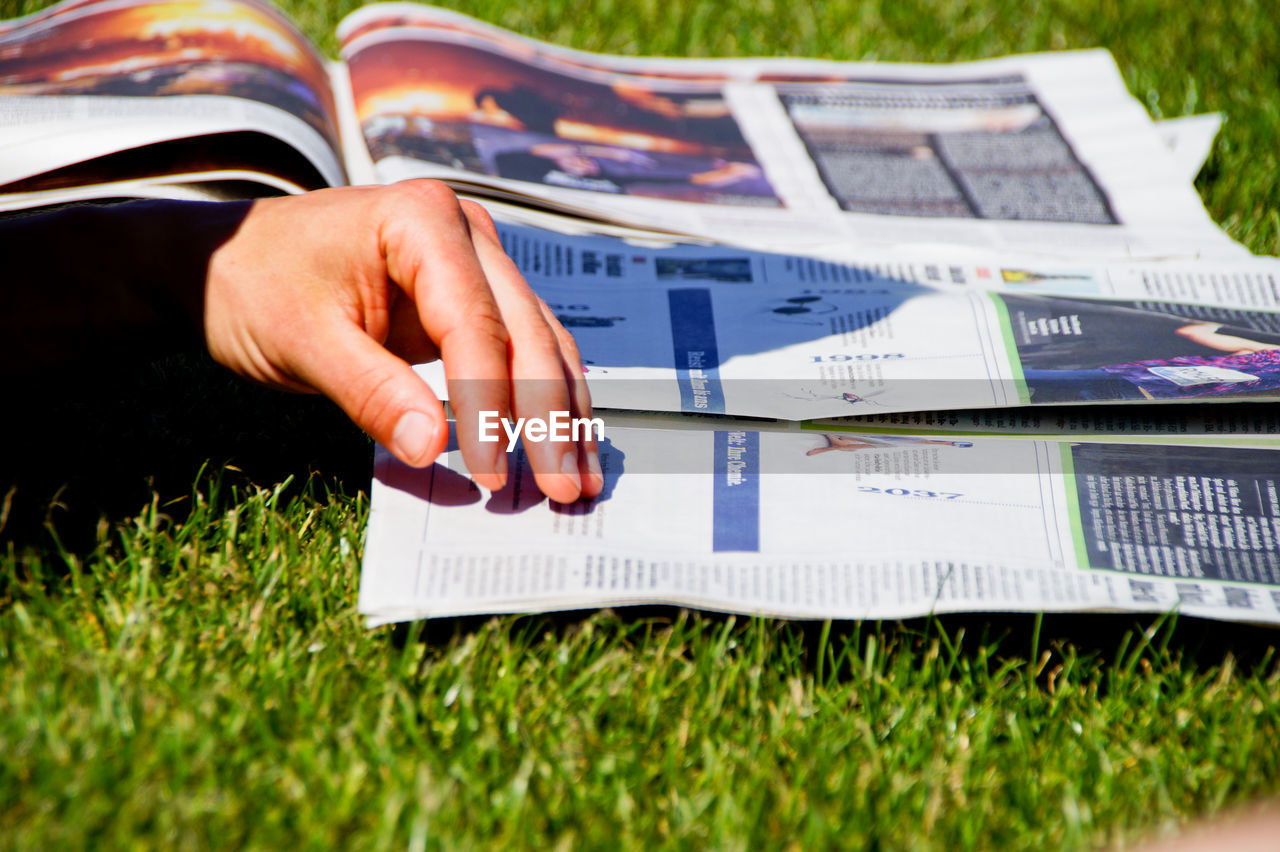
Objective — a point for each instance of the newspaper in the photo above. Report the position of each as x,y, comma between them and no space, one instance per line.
838,525
1190,139
884,515
1248,425
718,330
1184,423
878,242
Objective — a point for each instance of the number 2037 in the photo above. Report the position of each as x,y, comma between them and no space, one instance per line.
910,492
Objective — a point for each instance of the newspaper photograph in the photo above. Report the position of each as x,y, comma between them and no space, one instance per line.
838,525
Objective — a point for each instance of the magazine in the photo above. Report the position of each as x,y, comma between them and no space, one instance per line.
154,98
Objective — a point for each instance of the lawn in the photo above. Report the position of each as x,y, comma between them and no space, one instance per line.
182,665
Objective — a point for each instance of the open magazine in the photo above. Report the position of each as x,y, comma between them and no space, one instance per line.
1041,153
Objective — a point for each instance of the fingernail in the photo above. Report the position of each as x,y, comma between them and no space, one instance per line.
569,467
593,467
412,437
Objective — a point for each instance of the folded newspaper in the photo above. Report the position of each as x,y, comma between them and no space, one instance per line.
878,510
910,278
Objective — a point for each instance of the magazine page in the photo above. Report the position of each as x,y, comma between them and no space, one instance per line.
1032,154
718,330
251,164
220,185
84,81
838,525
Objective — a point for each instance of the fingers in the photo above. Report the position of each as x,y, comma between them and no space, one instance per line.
537,363
405,336
505,356
580,400
380,393
426,242
318,291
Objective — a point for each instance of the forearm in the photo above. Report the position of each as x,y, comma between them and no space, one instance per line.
106,283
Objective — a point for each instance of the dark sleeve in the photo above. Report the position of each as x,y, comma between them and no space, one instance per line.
1250,334
102,284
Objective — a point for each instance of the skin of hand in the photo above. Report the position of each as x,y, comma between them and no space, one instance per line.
339,290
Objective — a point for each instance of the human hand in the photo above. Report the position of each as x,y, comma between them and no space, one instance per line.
337,291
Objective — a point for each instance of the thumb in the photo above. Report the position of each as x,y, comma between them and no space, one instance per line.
380,393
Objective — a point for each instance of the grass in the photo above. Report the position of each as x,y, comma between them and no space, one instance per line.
203,682
181,663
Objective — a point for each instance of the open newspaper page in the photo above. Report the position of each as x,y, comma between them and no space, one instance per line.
1042,153
838,525
719,330
156,97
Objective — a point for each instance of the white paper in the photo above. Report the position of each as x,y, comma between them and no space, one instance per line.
719,330
1190,138
824,525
